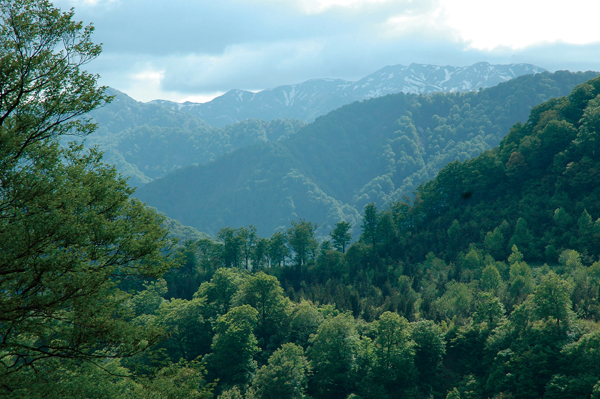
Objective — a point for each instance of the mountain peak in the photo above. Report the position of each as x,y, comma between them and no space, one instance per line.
315,97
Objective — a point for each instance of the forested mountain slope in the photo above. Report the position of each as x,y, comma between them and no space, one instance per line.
539,189
443,298
373,151
147,141
313,98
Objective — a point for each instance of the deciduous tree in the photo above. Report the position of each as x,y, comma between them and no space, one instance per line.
341,236
68,229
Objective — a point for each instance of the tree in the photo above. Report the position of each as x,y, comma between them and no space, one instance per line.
248,240
68,229
233,246
552,301
586,230
522,238
284,376
455,304
278,250
495,243
234,347
189,333
429,350
301,237
305,321
394,353
521,278
264,293
453,394
340,235
369,225
491,280
332,357
489,310
260,253
220,291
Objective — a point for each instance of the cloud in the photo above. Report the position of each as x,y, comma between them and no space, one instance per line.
198,27
519,24
194,49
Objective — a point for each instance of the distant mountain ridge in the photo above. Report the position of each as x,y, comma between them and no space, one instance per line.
147,141
313,98
374,151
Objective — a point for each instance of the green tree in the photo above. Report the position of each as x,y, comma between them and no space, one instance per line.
219,292
233,246
248,239
189,333
495,243
491,280
69,230
260,253
552,301
301,238
184,281
471,263
234,347
304,323
453,394
264,293
586,231
562,218
456,303
523,238
489,310
430,348
278,249
341,236
394,353
332,356
521,279
148,301
285,376
369,224
456,238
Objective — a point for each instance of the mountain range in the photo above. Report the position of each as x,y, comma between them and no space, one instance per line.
374,151
308,100
147,141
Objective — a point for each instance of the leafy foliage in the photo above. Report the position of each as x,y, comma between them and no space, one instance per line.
70,235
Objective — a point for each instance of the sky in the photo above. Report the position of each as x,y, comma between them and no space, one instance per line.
195,50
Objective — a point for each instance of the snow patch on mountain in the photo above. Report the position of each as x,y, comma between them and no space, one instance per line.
315,97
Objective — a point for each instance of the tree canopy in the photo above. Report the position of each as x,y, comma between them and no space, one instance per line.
70,235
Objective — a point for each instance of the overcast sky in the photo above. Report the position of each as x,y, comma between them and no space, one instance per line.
197,49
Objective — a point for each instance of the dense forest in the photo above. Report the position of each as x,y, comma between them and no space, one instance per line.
487,285
484,284
374,151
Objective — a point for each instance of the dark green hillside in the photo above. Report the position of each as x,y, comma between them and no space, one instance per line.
362,144
373,151
539,189
157,151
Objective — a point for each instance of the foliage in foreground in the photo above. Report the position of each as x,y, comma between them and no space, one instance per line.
70,235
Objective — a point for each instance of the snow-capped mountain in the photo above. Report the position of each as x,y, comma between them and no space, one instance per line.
316,97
